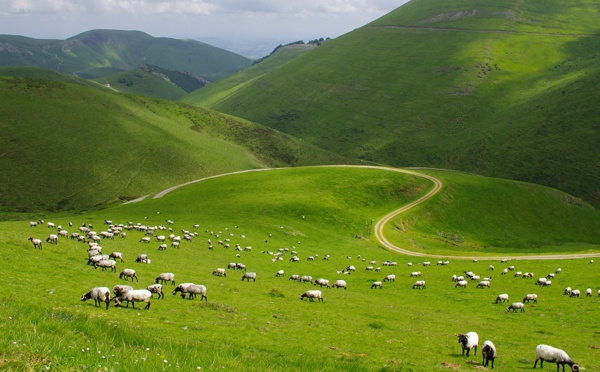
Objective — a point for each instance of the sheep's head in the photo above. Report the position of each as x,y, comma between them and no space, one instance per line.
85,296
462,339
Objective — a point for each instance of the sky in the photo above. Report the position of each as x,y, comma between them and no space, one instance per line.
193,19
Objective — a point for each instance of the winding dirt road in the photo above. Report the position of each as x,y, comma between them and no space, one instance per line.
380,225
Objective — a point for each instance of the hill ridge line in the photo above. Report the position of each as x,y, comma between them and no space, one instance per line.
457,29
380,225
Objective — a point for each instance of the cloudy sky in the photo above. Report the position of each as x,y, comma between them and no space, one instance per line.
195,19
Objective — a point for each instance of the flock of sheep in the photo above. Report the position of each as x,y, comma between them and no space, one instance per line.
125,293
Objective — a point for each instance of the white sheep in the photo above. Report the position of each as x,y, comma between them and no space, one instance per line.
165,277
502,297
541,281
182,288
322,282
390,278
545,353
516,306
136,295
426,263
305,278
419,284
575,293
145,239
117,256
483,283
156,288
220,272
32,224
194,290
98,294
567,291
488,351
340,284
52,239
280,273
588,292
415,273
128,273
142,258
312,294
162,247
248,276
294,277
461,283
468,341
37,243
106,264
530,297
377,284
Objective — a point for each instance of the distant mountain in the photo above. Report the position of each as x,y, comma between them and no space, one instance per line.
502,88
99,53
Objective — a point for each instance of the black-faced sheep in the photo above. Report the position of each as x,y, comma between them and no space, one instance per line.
312,294
516,306
488,351
220,272
128,273
248,276
136,295
322,282
117,256
530,297
156,288
377,284
502,297
107,264
575,293
461,283
390,278
468,341
37,243
98,294
419,284
165,277
339,284
545,353
194,290
483,283
279,273
142,258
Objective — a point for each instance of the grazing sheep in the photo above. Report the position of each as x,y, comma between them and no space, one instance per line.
175,244
390,278
530,297
504,271
516,306
106,264
136,295
240,266
52,239
340,284
351,268
162,247
312,294
117,255
550,276
128,273
306,278
142,258
567,291
156,288
369,268
322,282
558,271
165,277
502,297
377,284
98,294
32,224
280,273
541,281
37,243
575,293
483,283
545,353
145,239
248,276
461,283
220,272
182,289
294,277
468,341
194,290
415,273
488,351
419,284
588,292
426,263
491,267
232,265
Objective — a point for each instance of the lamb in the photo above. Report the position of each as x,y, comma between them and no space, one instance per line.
390,278
220,272
136,295
340,284
575,293
545,353
194,290
419,284
502,297
52,239
165,277
106,264
98,294
128,273
156,288
37,243
468,341
488,350
461,283
117,255
377,284
530,297
483,283
312,294
248,276
322,282
516,306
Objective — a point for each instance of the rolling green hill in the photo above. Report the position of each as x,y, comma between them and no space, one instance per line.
502,88
99,53
70,144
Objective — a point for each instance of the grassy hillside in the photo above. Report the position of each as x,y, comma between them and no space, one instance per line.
262,325
98,53
75,147
499,88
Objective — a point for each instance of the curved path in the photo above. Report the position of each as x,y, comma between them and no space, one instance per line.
380,225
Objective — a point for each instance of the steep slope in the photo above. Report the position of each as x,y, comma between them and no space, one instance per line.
502,88
72,146
98,53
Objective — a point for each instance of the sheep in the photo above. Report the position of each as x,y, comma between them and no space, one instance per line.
369,268
588,292
106,264
312,294
117,255
491,267
165,277
516,306
502,297
550,276
120,289
567,291
419,284
461,283
322,282
240,266
98,294
468,341
547,283
483,283
37,243
219,272
558,270
156,288
136,295
575,293
426,263
415,273
546,353
305,278
162,247
377,284
52,239
32,224
128,273
294,277
488,351
142,258
232,265
530,297
280,273
145,239
182,288
339,284
194,290
175,244
248,276
389,278
351,268
504,271
541,281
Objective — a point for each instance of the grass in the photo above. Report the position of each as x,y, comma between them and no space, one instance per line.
263,325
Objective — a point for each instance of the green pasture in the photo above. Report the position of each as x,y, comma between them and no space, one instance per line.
263,325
